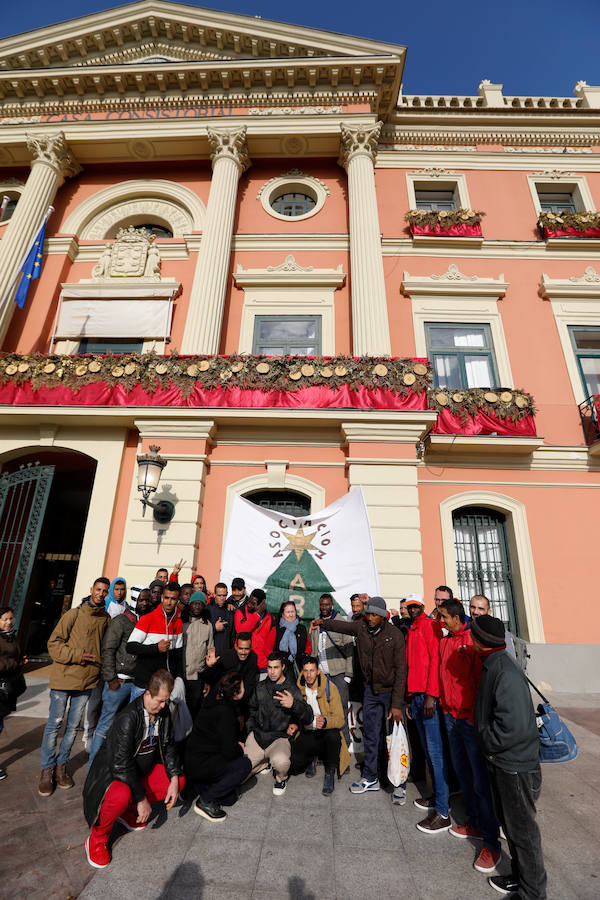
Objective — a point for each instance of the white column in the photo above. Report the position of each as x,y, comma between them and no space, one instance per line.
52,163
229,154
370,325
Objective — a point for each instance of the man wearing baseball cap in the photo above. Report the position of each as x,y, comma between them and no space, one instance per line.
382,656
507,734
423,650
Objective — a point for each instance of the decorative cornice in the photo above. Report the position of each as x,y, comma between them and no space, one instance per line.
52,150
453,283
231,144
289,273
290,265
575,287
358,140
434,172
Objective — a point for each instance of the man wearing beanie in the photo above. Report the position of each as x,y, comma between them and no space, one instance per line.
382,656
197,641
507,734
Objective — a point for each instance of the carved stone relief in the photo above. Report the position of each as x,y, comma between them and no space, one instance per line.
179,222
131,255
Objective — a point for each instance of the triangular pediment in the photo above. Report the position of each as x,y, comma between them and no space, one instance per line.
150,29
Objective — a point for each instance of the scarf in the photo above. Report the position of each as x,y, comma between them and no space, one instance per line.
288,643
374,630
9,635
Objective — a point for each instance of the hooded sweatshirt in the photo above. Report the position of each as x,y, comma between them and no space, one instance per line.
112,607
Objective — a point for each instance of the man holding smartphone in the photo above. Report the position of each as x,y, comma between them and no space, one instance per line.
157,641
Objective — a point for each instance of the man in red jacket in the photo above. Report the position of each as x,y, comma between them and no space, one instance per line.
423,651
460,671
254,618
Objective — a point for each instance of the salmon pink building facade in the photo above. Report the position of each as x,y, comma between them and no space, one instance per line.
264,258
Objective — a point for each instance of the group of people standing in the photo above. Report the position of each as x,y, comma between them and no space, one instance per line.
183,690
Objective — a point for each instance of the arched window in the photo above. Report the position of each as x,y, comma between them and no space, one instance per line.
483,561
8,209
291,503
158,231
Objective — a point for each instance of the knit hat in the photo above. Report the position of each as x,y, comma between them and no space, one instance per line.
376,606
414,599
488,631
198,597
134,594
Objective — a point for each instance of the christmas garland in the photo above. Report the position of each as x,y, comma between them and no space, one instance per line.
264,373
580,221
444,218
503,404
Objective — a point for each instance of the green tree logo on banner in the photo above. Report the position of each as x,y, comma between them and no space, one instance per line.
300,579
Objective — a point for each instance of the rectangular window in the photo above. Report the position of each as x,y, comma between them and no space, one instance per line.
101,347
462,355
287,336
586,345
435,200
556,203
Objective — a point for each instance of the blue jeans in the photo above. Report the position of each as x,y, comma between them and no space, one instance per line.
58,706
135,692
471,772
375,709
112,701
430,736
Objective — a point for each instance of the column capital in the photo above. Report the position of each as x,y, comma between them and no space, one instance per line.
53,150
358,140
229,143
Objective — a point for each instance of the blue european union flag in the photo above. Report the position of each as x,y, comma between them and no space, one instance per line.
32,267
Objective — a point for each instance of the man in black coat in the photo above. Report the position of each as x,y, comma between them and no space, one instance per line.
240,658
221,619
276,709
136,765
507,734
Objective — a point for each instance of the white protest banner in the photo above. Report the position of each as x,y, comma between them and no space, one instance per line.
301,558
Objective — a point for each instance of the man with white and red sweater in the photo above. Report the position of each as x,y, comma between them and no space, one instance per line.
423,655
460,673
254,618
157,641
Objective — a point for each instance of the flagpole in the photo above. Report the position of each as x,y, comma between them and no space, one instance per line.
6,297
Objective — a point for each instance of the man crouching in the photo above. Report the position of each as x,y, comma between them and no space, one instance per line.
137,765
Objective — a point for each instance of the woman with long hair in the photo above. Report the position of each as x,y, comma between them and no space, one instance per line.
12,683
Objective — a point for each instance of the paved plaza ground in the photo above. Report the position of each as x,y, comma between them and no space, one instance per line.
301,846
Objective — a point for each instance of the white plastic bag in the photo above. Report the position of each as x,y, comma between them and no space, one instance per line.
398,755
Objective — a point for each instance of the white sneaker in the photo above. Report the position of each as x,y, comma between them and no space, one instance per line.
266,770
279,787
359,787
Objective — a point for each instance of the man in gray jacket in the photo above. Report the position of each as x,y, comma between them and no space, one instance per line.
118,665
276,711
197,641
506,731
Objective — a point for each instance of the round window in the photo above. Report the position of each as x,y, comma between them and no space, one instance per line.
293,204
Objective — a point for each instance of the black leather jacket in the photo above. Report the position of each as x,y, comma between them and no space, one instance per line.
115,761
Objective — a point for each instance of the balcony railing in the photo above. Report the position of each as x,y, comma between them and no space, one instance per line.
588,412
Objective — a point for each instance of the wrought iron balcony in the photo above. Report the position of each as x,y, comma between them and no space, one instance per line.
588,411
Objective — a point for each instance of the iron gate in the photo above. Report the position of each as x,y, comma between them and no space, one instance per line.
23,498
483,562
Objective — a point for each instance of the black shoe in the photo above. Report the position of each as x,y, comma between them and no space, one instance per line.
209,810
2,774
329,782
311,769
504,884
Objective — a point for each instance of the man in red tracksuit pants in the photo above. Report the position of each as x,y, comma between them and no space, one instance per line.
137,765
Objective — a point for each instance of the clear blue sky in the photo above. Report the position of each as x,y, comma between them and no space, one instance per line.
535,47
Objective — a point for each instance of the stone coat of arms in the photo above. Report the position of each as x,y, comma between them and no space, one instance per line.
131,255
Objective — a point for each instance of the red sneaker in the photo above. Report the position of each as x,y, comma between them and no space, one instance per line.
129,820
487,860
465,831
97,853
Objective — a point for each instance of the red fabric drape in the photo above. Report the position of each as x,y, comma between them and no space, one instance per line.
482,423
312,397
571,232
461,230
